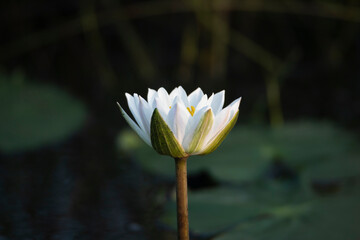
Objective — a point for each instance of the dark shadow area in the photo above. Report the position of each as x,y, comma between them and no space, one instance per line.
71,169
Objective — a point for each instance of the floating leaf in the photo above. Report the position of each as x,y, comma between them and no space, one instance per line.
329,219
221,209
33,116
347,166
273,163
214,210
247,151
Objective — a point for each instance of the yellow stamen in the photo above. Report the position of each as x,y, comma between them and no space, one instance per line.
192,111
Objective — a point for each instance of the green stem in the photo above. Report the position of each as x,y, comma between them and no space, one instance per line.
182,199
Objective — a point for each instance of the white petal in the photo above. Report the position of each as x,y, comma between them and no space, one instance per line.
195,97
210,99
191,126
145,112
176,100
162,107
151,96
219,123
202,103
174,93
183,96
215,142
235,103
133,103
143,124
222,119
135,127
170,118
234,107
164,96
218,102
177,120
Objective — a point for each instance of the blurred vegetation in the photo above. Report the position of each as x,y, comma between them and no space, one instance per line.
67,173
286,183
286,54
34,115
296,145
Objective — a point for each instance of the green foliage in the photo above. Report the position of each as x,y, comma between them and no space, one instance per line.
34,115
262,214
247,151
128,141
330,218
295,182
214,210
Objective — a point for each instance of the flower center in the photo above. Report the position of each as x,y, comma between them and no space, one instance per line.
191,110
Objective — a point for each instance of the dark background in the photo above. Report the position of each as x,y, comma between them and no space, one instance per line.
289,60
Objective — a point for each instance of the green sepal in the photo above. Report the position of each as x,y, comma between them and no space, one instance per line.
215,143
201,131
163,139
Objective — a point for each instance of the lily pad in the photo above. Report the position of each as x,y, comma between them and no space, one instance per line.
335,169
329,218
306,142
222,209
277,208
34,115
229,213
213,210
247,151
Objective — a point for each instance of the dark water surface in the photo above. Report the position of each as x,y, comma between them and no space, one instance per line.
82,189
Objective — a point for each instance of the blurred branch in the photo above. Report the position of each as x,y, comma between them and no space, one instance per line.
318,9
133,44
219,50
237,40
275,67
155,8
274,100
41,38
250,49
189,52
96,44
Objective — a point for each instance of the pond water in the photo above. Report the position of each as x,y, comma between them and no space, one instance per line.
81,189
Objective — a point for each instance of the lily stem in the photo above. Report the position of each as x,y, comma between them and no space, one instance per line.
182,198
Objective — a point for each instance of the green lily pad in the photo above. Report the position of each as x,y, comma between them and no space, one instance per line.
221,209
329,218
34,115
304,143
334,169
213,210
327,177
312,151
242,214
246,169
247,151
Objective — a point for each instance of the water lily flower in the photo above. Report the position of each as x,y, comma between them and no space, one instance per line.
180,125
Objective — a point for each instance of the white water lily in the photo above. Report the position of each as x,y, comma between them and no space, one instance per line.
181,125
